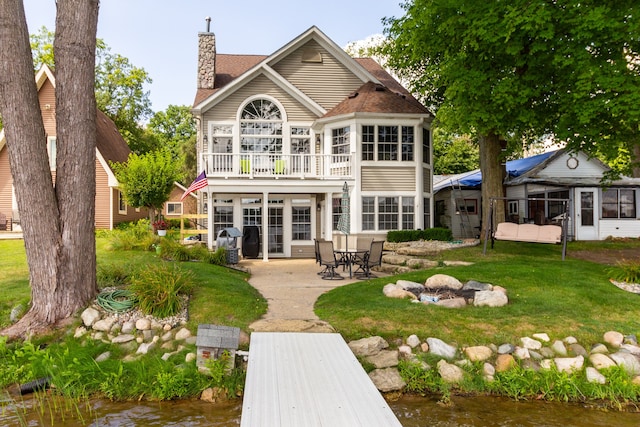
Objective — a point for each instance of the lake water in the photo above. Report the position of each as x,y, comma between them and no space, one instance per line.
412,411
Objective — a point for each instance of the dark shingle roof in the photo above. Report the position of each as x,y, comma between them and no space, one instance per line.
109,142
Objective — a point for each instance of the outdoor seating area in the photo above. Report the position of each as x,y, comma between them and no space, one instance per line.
357,262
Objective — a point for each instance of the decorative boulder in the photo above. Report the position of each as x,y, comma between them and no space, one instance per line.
443,281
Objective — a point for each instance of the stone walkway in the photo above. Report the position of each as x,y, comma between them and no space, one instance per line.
291,288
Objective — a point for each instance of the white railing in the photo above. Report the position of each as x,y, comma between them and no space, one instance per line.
302,166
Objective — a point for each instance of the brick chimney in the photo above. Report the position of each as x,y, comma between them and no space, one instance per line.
206,58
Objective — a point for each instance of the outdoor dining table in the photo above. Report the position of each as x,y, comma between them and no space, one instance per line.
348,257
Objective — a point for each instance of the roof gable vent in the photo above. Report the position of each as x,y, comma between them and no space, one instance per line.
311,55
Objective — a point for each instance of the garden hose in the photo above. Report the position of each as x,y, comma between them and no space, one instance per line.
117,301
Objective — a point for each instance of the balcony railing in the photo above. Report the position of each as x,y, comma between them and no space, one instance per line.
301,166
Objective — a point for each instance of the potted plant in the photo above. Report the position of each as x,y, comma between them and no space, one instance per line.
160,226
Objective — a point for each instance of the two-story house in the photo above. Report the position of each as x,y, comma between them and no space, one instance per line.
281,134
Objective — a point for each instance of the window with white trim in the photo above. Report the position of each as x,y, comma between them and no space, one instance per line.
387,143
173,208
301,222
122,204
340,140
408,216
222,215
618,203
261,128
388,213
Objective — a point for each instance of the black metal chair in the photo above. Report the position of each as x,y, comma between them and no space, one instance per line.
328,260
371,259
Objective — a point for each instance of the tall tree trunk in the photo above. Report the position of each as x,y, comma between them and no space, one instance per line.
493,174
58,224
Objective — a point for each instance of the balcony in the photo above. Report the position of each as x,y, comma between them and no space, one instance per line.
277,166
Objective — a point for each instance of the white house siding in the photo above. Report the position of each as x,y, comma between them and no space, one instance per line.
328,83
618,228
227,110
558,168
382,179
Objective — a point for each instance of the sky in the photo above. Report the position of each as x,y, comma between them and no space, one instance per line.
161,36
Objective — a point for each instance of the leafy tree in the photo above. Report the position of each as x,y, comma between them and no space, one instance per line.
175,130
517,71
119,88
453,154
57,222
146,180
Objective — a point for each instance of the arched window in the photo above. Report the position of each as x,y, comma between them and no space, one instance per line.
261,127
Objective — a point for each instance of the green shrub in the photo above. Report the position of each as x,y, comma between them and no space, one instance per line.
160,289
626,271
219,257
442,234
108,275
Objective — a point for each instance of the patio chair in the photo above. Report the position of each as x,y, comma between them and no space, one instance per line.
328,260
371,259
3,222
317,252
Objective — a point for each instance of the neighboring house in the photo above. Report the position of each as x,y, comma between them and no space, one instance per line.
595,211
280,135
110,147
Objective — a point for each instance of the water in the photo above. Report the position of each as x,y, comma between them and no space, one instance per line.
411,411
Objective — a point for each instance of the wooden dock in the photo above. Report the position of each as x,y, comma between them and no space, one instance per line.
307,380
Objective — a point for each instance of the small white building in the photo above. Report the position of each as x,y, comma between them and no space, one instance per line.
535,183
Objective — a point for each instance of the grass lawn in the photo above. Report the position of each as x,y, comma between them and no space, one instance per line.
562,298
221,295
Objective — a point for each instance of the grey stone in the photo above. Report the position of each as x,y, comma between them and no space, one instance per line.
521,353
80,331
190,340
541,337
478,353
450,373
535,355
405,351
147,335
531,364
473,285
103,356
547,352
90,316
530,343
413,341
599,348
559,348
444,281
143,324
155,324
570,340
613,338
121,339
593,376
569,364
190,357
166,356
441,348
633,349
578,350
601,361
628,361
368,346
128,327
490,299
631,339
384,359
410,286
103,325
145,347
488,369
167,336
506,349
183,334
387,379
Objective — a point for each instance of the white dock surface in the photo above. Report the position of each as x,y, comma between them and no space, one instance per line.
307,380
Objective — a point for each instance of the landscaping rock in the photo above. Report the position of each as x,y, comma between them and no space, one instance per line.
451,303
569,364
413,341
521,353
384,359
628,361
490,299
570,340
143,324
613,338
145,347
559,348
530,343
408,285
103,356
190,357
473,285
80,331
478,353
90,316
633,349
601,361
441,348
405,351
368,346
599,348
401,294
103,325
542,337
593,376
450,373
506,349
123,338
183,334
128,327
387,379
443,281
578,350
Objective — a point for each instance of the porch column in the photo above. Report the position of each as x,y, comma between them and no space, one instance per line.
265,227
207,200
328,216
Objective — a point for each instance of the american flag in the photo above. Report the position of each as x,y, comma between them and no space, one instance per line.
197,184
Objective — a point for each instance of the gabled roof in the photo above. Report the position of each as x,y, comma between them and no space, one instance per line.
110,145
380,92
